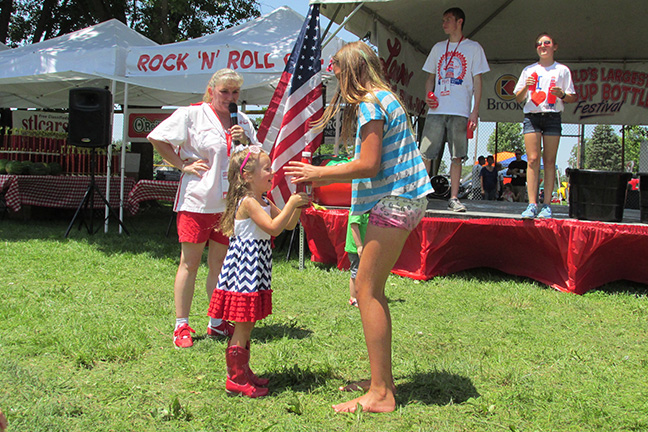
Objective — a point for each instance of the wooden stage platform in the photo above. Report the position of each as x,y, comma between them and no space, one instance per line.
567,254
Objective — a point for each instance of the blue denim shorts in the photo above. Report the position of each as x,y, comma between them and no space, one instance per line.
547,123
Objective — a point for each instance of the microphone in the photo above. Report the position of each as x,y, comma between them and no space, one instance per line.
233,109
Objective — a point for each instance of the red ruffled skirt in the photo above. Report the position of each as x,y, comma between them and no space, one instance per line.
240,307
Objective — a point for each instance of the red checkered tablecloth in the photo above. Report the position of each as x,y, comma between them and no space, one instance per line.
147,190
57,191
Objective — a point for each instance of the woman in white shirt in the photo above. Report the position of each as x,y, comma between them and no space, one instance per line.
198,140
546,86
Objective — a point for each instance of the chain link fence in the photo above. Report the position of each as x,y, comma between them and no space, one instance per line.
571,155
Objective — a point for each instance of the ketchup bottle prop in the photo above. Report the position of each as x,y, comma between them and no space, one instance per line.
435,101
305,187
534,75
551,98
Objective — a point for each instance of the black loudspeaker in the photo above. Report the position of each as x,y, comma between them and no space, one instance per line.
89,122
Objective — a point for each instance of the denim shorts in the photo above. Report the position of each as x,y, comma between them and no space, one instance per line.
548,123
398,212
442,128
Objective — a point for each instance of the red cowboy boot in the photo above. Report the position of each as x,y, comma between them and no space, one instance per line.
238,380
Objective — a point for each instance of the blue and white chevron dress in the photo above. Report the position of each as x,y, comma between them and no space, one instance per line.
244,289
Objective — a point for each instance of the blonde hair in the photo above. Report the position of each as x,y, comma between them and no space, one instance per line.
238,187
222,76
361,73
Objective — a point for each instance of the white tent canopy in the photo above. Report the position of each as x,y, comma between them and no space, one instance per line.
603,42
41,75
257,49
3,47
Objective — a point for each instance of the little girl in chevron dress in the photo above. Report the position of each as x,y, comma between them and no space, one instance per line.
243,294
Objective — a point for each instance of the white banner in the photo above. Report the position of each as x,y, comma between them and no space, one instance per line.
190,60
40,120
608,93
402,65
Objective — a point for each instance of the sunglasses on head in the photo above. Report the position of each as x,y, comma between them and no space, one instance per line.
333,61
545,43
253,149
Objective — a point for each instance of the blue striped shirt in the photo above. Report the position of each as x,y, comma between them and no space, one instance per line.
402,172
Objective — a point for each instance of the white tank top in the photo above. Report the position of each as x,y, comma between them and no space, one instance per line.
247,229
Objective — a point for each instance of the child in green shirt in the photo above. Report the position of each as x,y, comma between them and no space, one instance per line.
356,229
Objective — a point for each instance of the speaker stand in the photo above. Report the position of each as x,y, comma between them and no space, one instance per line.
88,201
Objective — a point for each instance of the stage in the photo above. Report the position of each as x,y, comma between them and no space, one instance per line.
567,254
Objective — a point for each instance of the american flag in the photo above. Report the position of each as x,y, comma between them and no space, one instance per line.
296,103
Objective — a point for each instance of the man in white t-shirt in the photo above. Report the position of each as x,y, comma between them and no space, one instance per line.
455,67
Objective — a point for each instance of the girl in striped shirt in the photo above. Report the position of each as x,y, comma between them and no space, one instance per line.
390,182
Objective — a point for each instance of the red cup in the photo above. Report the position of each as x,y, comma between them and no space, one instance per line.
469,131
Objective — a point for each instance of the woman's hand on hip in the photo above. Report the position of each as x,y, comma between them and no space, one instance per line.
197,167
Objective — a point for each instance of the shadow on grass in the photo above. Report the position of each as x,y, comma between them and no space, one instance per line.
271,332
435,388
622,287
147,231
486,274
297,379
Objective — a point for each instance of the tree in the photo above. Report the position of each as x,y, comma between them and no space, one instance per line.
574,155
634,135
603,150
509,137
163,21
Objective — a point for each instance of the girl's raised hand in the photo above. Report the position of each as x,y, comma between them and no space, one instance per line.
299,200
300,172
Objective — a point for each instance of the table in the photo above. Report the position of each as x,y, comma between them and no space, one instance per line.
147,190
57,191
566,254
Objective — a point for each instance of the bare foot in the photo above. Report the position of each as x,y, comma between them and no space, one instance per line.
369,402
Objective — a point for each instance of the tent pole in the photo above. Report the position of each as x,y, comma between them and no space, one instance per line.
123,155
335,14
348,17
113,89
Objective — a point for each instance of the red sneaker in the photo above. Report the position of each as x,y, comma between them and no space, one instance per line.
182,336
225,328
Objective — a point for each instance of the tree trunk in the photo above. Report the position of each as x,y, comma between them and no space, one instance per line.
44,20
5,17
163,7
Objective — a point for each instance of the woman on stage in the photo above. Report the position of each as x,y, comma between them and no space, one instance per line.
546,86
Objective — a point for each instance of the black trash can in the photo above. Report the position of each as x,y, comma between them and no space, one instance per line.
597,195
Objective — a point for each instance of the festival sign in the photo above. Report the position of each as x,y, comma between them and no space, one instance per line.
608,93
40,120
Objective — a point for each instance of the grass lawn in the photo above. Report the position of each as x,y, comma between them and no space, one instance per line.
85,345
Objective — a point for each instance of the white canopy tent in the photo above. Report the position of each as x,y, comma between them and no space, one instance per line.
41,75
109,55
602,42
257,49
3,47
